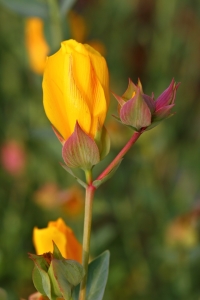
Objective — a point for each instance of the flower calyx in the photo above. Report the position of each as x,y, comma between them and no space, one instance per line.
54,276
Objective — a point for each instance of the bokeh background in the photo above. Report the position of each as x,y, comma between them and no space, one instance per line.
147,215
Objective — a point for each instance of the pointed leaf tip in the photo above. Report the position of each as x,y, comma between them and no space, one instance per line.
66,168
98,276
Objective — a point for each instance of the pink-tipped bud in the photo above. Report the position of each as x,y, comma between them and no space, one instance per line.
141,111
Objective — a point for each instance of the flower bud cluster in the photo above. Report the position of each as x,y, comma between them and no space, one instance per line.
140,111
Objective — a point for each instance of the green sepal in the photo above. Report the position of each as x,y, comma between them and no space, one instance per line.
56,252
97,278
131,89
80,150
39,261
68,273
102,140
97,183
156,123
72,174
136,112
41,281
55,289
131,127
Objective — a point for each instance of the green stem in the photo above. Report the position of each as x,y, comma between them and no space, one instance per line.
56,26
86,237
88,176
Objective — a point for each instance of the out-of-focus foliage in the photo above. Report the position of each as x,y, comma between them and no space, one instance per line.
147,215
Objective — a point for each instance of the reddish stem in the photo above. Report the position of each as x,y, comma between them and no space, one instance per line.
115,161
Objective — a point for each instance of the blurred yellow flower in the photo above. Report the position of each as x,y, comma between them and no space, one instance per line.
63,237
50,196
75,88
182,231
36,44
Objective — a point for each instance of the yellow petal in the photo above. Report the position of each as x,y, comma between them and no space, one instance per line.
88,67
76,88
43,238
101,70
63,237
63,102
73,247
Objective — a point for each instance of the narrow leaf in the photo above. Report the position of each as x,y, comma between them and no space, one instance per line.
72,173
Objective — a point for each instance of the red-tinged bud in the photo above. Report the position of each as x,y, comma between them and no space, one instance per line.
134,111
165,102
139,110
80,150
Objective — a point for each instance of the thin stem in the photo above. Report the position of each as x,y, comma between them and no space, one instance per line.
124,150
56,27
88,208
88,176
86,237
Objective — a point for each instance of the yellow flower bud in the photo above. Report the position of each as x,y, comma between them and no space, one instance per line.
75,88
62,236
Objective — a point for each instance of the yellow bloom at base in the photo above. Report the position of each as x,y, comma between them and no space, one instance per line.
75,88
62,236
36,44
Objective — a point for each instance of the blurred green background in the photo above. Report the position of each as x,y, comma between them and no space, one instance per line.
147,214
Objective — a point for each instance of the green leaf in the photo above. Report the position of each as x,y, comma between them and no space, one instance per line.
97,276
72,270
37,8
97,183
72,173
41,281
68,273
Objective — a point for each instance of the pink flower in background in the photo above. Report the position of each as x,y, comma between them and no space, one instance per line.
13,157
